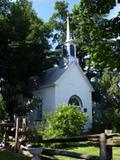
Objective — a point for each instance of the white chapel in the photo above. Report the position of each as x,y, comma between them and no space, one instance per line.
64,84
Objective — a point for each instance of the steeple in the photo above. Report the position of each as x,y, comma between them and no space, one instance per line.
69,48
68,31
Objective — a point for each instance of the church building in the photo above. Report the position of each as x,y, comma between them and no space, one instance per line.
64,84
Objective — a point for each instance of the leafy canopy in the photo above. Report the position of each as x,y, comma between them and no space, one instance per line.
58,21
107,100
94,34
24,39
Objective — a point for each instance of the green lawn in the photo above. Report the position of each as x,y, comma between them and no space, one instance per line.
90,150
83,149
116,153
7,155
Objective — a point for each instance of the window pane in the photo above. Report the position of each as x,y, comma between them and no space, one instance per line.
72,50
39,113
65,53
75,100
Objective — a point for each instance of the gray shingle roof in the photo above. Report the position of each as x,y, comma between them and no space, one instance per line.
47,77
51,75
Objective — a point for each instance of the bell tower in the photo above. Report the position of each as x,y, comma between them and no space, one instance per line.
69,48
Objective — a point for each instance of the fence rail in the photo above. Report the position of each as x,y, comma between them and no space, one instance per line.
72,139
105,141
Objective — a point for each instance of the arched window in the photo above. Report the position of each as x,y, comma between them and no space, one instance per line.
65,53
38,110
75,100
72,52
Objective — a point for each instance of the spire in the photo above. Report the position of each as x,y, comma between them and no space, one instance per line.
69,48
68,38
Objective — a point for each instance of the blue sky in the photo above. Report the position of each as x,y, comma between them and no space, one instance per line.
45,8
114,11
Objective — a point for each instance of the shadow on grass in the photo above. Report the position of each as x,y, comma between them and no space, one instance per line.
72,145
10,155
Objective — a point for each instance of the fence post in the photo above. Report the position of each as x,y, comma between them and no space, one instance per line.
16,134
5,135
109,152
108,148
103,153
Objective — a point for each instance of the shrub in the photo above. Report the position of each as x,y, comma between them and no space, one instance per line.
67,121
109,119
32,137
2,108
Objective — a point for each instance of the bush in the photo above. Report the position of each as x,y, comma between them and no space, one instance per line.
67,121
2,108
32,137
109,119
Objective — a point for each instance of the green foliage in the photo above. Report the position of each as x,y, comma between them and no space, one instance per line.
2,108
107,119
4,6
107,99
25,105
116,126
67,121
108,88
28,38
32,137
101,7
24,39
58,21
95,34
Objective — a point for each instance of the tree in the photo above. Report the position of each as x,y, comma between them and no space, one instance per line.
28,34
94,34
58,21
24,39
107,100
4,6
108,88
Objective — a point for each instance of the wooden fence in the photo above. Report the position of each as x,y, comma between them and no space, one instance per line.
105,141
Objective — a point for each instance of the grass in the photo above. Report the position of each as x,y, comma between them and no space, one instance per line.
83,148
116,153
7,155
89,150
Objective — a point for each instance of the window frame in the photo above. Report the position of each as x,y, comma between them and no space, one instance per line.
80,106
